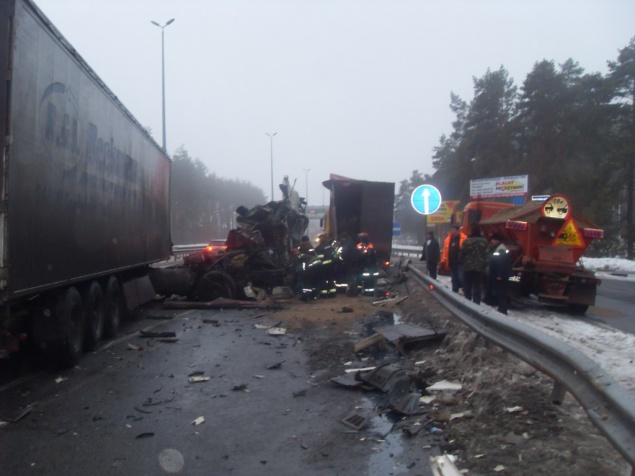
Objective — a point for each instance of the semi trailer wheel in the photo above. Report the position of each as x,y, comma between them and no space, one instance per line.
113,307
70,313
94,315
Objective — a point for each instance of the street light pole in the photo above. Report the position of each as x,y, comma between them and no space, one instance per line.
306,183
163,73
271,140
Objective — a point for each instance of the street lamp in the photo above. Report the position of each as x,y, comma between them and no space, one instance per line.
271,140
163,73
306,182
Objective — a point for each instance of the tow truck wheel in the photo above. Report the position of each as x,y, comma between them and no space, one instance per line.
113,307
71,314
94,312
213,285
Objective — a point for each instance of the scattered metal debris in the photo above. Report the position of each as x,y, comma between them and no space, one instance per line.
355,420
276,331
445,385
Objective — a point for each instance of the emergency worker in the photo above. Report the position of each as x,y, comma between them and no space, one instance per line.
306,267
325,251
367,264
345,262
450,257
473,258
500,270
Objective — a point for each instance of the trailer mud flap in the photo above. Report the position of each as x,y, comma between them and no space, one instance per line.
137,292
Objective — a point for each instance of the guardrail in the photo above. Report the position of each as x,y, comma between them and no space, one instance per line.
609,406
179,251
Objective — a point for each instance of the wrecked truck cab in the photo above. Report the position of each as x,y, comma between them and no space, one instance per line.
257,254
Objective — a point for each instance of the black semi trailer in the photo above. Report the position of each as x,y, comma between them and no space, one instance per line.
84,192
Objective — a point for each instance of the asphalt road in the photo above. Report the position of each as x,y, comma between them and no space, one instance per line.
614,304
130,408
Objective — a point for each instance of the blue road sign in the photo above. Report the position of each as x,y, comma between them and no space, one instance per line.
396,229
426,199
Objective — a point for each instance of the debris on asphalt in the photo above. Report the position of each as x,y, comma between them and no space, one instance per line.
219,303
134,347
240,388
61,379
276,331
368,341
346,309
142,411
156,335
514,409
198,421
355,420
169,340
198,378
300,393
443,466
146,434
445,385
276,366
401,335
214,322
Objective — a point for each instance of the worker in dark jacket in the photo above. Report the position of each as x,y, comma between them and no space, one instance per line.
500,269
325,252
473,257
431,254
367,264
453,246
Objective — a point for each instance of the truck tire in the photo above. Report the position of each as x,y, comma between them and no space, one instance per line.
94,313
70,311
113,307
213,285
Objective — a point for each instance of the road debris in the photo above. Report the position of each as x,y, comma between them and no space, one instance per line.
220,303
276,366
157,335
134,347
276,331
198,421
198,378
146,434
61,379
445,385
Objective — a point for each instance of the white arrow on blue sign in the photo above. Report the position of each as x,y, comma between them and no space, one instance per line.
426,199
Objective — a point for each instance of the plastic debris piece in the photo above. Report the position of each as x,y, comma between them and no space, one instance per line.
61,379
445,385
134,347
198,421
276,331
499,468
427,399
198,378
514,409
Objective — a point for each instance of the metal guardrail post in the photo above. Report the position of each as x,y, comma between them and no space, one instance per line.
608,405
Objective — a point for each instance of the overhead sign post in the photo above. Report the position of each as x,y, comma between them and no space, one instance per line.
426,199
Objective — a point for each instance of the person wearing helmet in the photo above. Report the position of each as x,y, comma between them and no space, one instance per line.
325,251
367,264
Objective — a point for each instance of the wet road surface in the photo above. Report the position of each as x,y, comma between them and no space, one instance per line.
131,408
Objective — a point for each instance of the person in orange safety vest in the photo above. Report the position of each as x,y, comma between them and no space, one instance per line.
449,256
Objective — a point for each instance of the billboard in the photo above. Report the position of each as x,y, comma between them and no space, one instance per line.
498,187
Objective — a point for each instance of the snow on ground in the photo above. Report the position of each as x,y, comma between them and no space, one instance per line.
612,349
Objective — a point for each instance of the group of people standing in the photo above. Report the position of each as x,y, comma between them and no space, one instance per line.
344,264
470,259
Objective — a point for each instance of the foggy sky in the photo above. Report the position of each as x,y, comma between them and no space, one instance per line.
360,88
